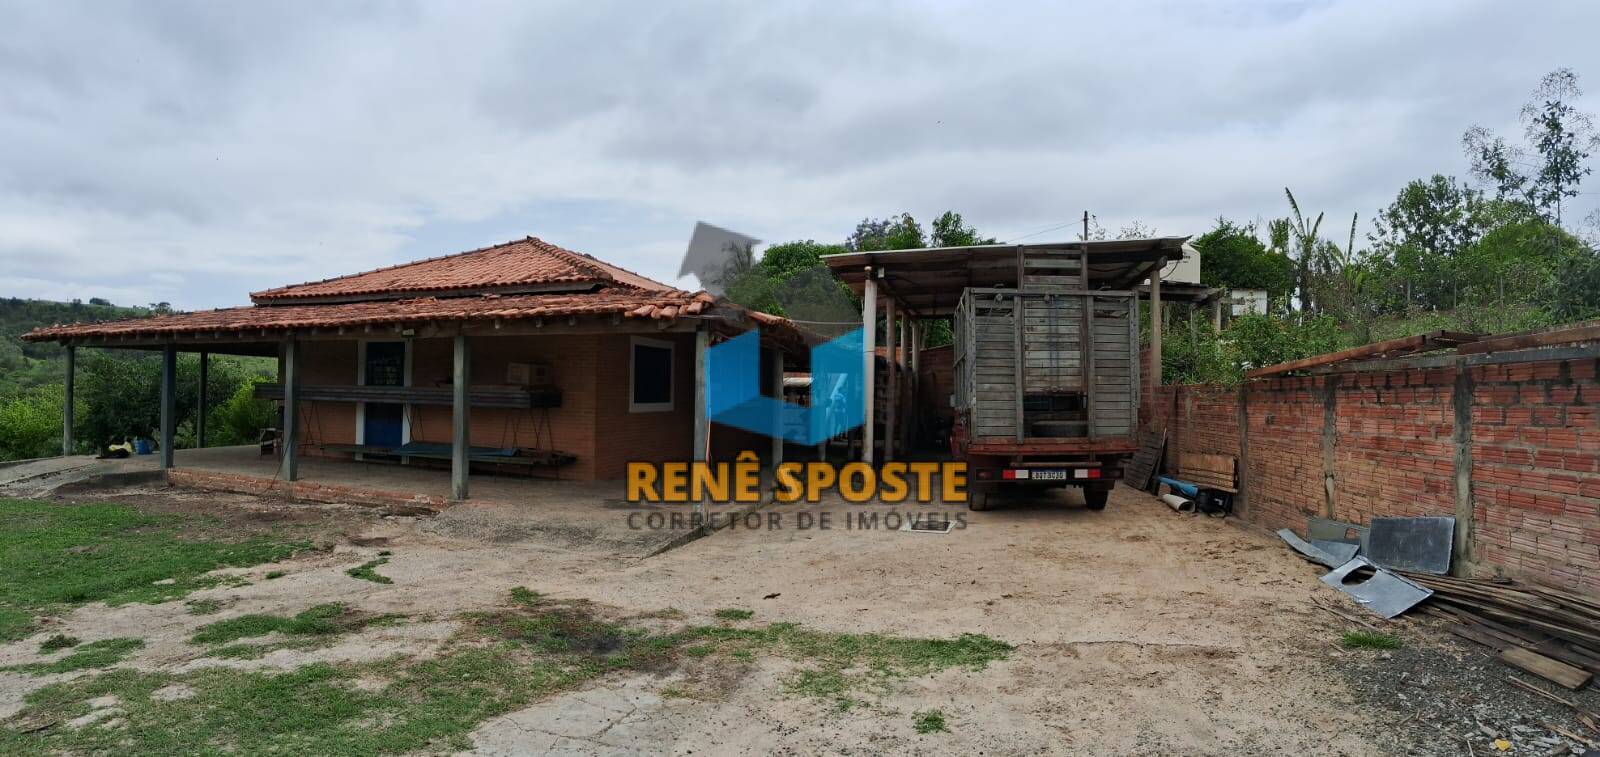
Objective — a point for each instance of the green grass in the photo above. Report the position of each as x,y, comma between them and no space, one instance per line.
929,721
203,606
57,642
55,556
842,666
501,661
322,620
522,595
95,654
367,571
734,613
1370,640
276,574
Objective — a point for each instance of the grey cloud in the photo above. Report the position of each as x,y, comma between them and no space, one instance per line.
218,147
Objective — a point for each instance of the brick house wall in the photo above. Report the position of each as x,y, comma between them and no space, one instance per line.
593,422
1353,446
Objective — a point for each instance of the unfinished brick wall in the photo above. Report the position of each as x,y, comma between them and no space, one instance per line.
1536,470
1384,443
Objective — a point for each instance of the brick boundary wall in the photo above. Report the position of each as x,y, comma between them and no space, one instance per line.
310,491
1511,450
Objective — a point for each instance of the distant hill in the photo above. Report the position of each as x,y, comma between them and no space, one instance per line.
23,365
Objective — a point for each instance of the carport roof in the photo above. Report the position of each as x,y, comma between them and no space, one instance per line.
928,282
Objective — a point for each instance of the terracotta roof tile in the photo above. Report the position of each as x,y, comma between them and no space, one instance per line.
524,262
663,305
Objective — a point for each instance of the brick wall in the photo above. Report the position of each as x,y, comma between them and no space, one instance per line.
1534,455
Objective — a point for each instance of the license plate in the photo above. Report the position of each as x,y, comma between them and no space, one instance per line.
1049,475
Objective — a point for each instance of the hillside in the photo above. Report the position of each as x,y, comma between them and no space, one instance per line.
24,366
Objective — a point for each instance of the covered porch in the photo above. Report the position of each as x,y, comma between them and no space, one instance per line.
464,406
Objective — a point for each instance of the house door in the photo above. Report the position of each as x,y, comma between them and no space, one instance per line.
383,423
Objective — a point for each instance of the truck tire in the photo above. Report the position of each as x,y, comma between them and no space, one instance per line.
1095,499
978,500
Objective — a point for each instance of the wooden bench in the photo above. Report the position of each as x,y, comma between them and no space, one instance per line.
1219,472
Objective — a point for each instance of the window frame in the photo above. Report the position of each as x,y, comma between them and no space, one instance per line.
634,342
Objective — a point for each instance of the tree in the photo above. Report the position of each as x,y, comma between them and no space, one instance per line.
1233,257
1423,231
950,231
1560,138
1304,237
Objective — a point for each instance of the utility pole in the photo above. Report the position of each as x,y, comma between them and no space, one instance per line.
1085,225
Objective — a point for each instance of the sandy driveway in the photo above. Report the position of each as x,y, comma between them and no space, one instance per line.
1137,630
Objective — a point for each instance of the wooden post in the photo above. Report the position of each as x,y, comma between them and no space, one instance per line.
460,420
1019,361
891,395
68,443
200,411
869,344
702,423
777,394
1086,352
1466,514
289,468
702,420
169,401
1155,323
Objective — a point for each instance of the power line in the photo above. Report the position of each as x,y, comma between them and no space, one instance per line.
1042,231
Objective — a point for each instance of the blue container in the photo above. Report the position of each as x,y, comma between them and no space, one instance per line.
141,446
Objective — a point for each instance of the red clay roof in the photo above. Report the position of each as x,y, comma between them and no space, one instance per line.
665,305
524,262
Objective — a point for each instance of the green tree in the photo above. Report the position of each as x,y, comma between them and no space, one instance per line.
30,423
1560,139
1233,257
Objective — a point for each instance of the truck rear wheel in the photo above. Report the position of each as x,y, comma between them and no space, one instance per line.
978,499
1095,499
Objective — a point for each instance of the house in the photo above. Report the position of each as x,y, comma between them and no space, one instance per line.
523,355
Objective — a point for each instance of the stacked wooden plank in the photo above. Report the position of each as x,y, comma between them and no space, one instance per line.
1208,471
1550,633
1141,469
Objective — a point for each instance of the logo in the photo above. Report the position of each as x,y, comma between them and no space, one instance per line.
733,390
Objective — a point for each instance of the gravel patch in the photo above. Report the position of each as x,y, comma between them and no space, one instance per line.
1440,695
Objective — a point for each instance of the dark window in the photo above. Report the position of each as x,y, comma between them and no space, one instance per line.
652,376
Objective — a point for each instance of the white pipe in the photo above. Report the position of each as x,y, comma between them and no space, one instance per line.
1178,504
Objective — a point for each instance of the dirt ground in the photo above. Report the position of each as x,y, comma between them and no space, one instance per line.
1137,630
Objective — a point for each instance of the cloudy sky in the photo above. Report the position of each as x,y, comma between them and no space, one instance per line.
194,152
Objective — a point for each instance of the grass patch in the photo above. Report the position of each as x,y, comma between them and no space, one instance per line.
526,597
95,654
54,556
501,661
203,606
367,571
272,574
840,666
929,721
734,613
57,643
322,620
1369,640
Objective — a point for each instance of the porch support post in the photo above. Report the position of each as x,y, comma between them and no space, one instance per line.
891,395
702,423
869,345
68,443
289,439
169,401
1155,323
200,412
460,431
1216,313
777,394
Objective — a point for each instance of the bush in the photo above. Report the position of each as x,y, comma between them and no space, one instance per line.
30,424
241,418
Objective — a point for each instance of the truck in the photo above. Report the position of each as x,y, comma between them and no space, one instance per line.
1046,380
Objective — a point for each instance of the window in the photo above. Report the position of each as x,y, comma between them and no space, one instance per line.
650,376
